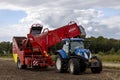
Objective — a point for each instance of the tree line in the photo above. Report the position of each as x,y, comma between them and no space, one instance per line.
105,45
96,45
5,48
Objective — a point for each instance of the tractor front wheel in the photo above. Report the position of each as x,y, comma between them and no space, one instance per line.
97,69
74,66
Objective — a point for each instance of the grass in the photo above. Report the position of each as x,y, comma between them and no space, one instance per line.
109,58
113,58
6,56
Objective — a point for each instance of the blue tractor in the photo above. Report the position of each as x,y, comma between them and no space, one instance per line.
73,57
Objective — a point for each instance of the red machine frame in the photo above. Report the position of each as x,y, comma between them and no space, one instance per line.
33,50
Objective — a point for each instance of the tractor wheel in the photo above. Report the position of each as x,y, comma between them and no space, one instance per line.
74,66
20,66
59,64
82,67
99,68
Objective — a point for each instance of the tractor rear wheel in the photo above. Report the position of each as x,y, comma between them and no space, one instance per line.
74,66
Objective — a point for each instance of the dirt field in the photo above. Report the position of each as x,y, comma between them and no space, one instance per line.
8,71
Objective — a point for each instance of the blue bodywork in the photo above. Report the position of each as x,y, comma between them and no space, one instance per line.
62,53
85,53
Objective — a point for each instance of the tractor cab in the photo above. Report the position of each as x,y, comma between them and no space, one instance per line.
75,44
75,47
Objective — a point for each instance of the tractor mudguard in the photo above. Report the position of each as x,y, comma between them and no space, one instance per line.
62,53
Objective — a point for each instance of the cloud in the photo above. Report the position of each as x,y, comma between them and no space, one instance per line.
56,13
112,22
110,4
7,33
59,16
76,4
10,6
53,18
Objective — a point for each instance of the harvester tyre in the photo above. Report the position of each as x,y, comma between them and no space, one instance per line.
59,64
74,66
20,66
97,69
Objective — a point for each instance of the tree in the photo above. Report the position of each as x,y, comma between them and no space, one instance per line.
5,48
101,44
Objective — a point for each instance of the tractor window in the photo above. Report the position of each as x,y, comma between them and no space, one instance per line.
66,48
76,44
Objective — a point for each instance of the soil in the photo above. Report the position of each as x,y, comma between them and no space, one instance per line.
9,71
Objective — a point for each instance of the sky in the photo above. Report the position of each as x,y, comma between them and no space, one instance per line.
98,17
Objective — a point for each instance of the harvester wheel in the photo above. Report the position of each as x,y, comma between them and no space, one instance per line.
59,64
99,68
74,66
20,66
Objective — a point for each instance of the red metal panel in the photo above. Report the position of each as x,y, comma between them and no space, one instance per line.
73,30
50,38
67,31
28,61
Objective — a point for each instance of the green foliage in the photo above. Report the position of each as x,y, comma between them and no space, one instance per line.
54,48
101,44
118,52
101,53
112,51
7,56
5,48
